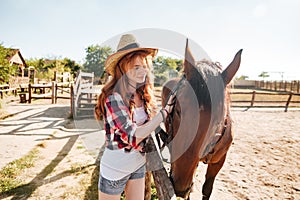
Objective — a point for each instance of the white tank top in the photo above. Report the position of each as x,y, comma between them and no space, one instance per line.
116,164
139,115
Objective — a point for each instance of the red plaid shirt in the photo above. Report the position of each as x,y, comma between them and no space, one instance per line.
120,130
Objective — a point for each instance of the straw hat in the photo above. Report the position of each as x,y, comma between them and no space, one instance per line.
127,44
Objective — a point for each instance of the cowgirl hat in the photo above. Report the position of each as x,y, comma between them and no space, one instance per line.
127,44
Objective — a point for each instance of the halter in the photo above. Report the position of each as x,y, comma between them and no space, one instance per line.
174,90
165,137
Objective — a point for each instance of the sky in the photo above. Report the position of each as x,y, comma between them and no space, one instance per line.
267,30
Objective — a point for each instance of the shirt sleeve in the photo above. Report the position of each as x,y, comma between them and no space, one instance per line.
117,115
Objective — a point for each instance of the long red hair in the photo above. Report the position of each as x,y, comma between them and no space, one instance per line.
119,83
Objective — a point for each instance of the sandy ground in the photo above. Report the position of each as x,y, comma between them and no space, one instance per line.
262,163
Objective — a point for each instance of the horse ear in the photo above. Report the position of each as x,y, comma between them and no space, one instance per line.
232,68
189,61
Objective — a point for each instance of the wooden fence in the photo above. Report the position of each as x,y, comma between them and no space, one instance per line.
84,95
14,84
286,86
258,99
4,89
41,91
63,85
265,99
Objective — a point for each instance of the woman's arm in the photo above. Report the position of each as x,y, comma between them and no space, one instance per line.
144,130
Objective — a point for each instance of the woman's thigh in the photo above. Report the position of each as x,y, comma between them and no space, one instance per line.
134,189
103,196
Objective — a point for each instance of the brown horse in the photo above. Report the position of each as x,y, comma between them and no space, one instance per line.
199,125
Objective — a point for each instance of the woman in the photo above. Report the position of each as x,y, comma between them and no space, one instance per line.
128,108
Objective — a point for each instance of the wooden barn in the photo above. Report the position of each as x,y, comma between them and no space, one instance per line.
15,57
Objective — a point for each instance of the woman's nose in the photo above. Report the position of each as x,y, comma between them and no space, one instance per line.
142,70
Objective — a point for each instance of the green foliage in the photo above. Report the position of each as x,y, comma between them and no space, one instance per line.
70,66
162,66
264,75
9,173
95,59
242,77
45,67
38,64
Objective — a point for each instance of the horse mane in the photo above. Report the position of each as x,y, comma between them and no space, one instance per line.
207,83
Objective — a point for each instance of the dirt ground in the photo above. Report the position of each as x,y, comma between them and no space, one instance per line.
262,163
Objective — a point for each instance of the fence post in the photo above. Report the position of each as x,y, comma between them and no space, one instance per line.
288,102
53,92
29,93
164,187
56,87
72,99
253,98
271,85
285,85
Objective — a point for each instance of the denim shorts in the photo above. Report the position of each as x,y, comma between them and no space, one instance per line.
116,187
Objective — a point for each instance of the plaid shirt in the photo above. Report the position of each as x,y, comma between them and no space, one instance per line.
119,127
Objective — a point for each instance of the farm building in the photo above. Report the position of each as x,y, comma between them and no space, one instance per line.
15,57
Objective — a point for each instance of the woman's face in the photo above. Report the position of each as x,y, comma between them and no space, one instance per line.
138,70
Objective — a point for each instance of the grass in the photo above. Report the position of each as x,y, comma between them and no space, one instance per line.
9,174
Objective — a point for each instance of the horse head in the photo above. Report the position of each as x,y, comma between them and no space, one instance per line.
198,113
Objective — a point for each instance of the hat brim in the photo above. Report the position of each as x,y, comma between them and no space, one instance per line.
113,59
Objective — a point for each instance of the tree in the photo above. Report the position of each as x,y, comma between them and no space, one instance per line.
38,64
71,66
264,75
45,67
95,59
242,77
162,65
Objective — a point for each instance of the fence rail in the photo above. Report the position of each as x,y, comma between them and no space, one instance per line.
257,99
83,94
261,99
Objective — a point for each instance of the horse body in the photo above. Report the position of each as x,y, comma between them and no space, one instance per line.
200,122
